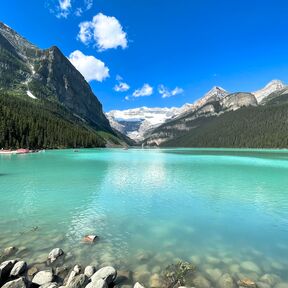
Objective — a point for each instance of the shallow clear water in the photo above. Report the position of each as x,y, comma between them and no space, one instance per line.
217,208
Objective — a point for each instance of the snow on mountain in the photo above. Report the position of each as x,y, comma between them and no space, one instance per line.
271,87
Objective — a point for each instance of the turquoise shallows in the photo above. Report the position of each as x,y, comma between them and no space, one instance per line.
216,207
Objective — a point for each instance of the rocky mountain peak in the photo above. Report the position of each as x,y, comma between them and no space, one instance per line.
272,86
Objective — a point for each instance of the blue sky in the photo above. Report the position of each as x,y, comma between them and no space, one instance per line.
180,48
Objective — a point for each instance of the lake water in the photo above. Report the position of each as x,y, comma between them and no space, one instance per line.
221,209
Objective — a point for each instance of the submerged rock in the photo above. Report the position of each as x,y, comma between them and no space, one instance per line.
18,283
155,281
18,268
281,285
43,277
250,266
226,281
54,254
9,251
49,285
213,274
270,279
107,273
247,283
201,282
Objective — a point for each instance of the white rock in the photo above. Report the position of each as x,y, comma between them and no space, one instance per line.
226,281
89,271
18,268
107,273
18,283
138,285
77,269
43,277
98,284
49,285
54,254
5,268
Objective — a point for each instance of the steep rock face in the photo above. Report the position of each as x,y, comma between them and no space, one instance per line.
237,100
47,74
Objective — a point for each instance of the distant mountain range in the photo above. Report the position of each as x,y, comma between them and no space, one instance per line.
53,93
141,124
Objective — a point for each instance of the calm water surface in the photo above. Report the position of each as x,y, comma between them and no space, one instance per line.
218,208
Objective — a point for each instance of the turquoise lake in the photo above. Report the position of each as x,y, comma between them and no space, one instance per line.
218,208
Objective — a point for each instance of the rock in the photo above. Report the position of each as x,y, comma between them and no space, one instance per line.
107,273
155,281
54,254
213,274
138,285
226,281
123,277
247,283
89,271
270,279
32,271
281,285
18,283
18,268
250,266
62,271
89,238
263,285
5,269
77,269
43,277
201,282
98,284
49,285
78,281
9,251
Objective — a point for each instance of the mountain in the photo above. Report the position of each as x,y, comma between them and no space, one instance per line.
137,123
46,80
273,86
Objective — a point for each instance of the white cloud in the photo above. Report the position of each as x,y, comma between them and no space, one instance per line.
64,8
165,92
105,31
89,66
146,90
127,98
121,87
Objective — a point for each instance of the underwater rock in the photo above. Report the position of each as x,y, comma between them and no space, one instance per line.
78,281
43,277
155,281
281,285
124,277
247,283
250,266
107,273
226,281
213,274
9,251
262,285
201,282
270,279
54,254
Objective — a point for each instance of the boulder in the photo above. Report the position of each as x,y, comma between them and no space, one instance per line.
9,251
5,269
62,271
18,268
76,271
138,285
263,285
43,277
98,284
123,277
32,271
78,281
270,279
250,266
155,281
247,283
281,285
201,282
226,281
89,271
18,283
107,273
54,254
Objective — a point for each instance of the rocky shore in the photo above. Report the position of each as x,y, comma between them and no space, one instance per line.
55,273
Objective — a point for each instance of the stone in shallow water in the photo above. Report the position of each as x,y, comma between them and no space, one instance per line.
213,260
281,285
270,279
226,281
262,285
54,254
107,273
124,277
49,285
43,277
201,282
18,268
9,251
250,266
32,271
18,283
155,281
213,274
246,282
